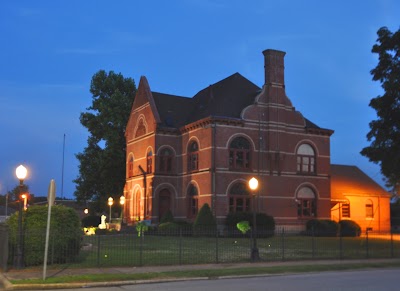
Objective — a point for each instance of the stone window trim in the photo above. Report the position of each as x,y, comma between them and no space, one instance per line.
306,160
240,154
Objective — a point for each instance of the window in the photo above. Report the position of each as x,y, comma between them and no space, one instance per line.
141,129
193,156
192,198
369,209
346,210
165,160
130,167
239,198
149,162
305,159
239,154
306,204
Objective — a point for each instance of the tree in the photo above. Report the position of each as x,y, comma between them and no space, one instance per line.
102,163
384,132
14,193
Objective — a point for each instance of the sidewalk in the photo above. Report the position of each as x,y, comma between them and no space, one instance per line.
38,273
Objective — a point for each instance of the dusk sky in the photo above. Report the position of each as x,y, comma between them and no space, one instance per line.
51,49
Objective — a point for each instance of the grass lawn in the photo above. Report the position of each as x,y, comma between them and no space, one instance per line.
130,250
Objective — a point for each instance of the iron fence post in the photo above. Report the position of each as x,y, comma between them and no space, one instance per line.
366,245
98,250
216,246
283,244
180,246
391,244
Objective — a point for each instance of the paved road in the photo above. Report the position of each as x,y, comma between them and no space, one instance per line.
381,279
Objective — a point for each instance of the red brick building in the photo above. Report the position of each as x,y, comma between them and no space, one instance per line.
183,152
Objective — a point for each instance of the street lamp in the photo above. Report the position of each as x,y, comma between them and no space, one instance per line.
255,256
21,173
122,202
110,203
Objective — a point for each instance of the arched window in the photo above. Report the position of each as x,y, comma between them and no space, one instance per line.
165,158
369,209
239,154
130,167
193,156
192,198
306,204
239,198
141,129
149,162
305,159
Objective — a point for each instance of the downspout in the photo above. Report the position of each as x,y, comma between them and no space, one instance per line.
145,191
214,198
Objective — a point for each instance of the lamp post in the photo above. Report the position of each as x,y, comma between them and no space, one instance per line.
122,202
255,256
21,173
110,203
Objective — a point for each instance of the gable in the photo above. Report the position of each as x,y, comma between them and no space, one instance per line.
351,180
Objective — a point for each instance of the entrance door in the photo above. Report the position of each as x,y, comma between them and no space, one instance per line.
164,203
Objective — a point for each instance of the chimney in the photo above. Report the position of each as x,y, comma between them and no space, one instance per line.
274,68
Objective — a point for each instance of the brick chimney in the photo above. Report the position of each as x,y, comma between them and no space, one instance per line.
274,68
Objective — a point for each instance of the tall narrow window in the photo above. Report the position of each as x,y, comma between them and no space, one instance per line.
239,198
306,159
306,203
130,167
239,154
193,156
149,162
369,209
192,198
165,158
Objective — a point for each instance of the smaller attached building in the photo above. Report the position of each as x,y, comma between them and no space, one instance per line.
357,197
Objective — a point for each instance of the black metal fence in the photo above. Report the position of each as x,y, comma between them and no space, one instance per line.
184,247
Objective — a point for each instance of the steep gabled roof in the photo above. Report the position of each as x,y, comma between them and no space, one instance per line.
173,110
226,98
347,179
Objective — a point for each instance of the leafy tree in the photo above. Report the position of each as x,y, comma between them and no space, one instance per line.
13,195
102,163
385,131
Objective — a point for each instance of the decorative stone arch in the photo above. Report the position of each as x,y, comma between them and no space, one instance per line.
135,203
166,163
239,196
233,136
310,143
192,198
149,159
141,126
306,197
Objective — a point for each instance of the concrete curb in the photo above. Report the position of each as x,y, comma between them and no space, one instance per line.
7,285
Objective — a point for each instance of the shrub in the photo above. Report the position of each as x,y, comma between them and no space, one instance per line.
349,228
243,226
65,234
205,223
91,221
265,223
322,227
167,217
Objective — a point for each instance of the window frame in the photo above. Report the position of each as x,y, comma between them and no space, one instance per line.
239,192
130,166
192,201
306,164
306,204
193,156
165,161
149,162
236,151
